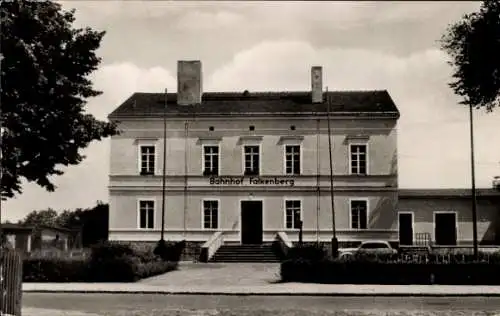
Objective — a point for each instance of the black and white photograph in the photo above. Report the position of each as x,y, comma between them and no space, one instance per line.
237,158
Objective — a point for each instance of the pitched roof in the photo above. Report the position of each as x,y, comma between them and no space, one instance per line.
15,227
360,103
446,193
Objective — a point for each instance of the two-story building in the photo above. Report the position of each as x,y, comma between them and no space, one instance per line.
252,164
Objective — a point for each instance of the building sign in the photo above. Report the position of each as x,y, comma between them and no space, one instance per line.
252,181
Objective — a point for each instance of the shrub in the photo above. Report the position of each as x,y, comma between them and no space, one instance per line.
113,269
55,269
170,251
307,252
149,269
111,250
108,262
373,271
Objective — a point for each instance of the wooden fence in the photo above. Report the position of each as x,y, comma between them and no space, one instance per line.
11,275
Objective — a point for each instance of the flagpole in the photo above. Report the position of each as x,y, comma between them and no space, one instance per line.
334,233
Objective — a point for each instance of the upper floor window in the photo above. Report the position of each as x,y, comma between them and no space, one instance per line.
147,159
358,159
252,160
292,159
359,214
211,160
210,214
292,214
146,214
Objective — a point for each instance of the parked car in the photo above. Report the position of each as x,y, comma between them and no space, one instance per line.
372,247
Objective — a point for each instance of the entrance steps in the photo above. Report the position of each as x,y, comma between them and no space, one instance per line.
245,253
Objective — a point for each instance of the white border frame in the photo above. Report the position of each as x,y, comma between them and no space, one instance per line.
412,225
146,143
203,158
358,143
367,200
202,222
261,200
138,210
243,158
286,198
301,171
434,226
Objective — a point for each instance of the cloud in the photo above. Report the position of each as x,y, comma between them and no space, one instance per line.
119,81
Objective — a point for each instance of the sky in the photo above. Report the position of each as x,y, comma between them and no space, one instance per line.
271,46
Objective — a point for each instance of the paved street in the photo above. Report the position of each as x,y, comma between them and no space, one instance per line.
218,274
180,305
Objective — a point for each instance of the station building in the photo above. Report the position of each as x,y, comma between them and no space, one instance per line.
253,164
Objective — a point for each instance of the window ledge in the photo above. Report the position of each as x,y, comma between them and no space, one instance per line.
291,137
251,138
357,137
209,140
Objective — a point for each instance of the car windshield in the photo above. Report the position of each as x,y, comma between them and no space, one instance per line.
374,245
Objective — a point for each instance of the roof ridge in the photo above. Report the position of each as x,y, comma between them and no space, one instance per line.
267,92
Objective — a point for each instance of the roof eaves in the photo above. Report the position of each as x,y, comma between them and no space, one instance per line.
388,114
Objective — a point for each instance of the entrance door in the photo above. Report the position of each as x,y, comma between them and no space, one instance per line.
445,231
251,222
406,229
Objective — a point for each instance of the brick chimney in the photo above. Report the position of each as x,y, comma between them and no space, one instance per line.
189,82
317,84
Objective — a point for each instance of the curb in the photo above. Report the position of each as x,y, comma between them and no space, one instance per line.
221,293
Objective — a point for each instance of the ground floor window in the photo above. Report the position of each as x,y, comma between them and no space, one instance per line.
359,214
292,214
146,214
210,214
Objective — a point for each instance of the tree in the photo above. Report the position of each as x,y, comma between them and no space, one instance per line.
474,46
44,90
46,217
92,222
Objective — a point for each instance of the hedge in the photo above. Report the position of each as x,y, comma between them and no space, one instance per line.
371,271
108,262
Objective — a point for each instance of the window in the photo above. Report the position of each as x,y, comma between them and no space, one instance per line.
359,214
292,159
292,209
251,160
146,214
211,160
210,214
358,159
147,159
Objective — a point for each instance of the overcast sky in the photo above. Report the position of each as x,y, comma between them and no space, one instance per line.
261,46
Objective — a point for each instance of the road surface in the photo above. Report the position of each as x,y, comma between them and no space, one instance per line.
179,305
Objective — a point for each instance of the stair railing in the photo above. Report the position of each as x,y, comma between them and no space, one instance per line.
283,243
210,247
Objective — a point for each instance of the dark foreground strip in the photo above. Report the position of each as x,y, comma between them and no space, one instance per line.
273,294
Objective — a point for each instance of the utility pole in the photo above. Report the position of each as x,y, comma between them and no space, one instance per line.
473,176
162,240
335,244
